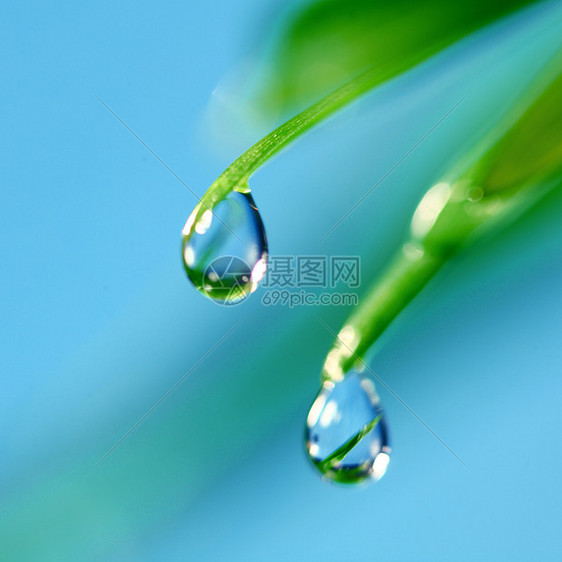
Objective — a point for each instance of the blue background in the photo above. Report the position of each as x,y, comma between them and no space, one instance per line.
99,320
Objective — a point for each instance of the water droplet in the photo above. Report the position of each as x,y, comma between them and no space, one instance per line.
346,435
225,251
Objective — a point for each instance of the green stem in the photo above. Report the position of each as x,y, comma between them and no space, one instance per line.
409,272
460,221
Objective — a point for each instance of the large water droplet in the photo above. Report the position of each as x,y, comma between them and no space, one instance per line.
225,251
346,435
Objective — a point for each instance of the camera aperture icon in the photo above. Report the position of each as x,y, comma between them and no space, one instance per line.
228,280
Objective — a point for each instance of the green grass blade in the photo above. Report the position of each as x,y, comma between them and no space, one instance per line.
400,50
517,170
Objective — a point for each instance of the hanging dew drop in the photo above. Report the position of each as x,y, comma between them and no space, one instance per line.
346,435
225,251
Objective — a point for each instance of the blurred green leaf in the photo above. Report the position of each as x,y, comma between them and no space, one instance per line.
532,148
328,42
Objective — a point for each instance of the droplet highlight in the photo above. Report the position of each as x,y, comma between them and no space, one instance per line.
346,433
225,251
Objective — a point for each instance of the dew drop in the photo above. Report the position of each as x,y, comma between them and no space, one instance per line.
346,435
225,251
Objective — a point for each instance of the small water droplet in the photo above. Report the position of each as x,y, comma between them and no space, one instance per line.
225,252
346,435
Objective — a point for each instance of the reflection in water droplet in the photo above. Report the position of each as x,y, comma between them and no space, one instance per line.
346,435
225,252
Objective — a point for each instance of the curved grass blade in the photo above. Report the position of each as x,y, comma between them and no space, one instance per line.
519,165
398,51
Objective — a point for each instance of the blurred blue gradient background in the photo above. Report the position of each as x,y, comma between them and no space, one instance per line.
99,320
